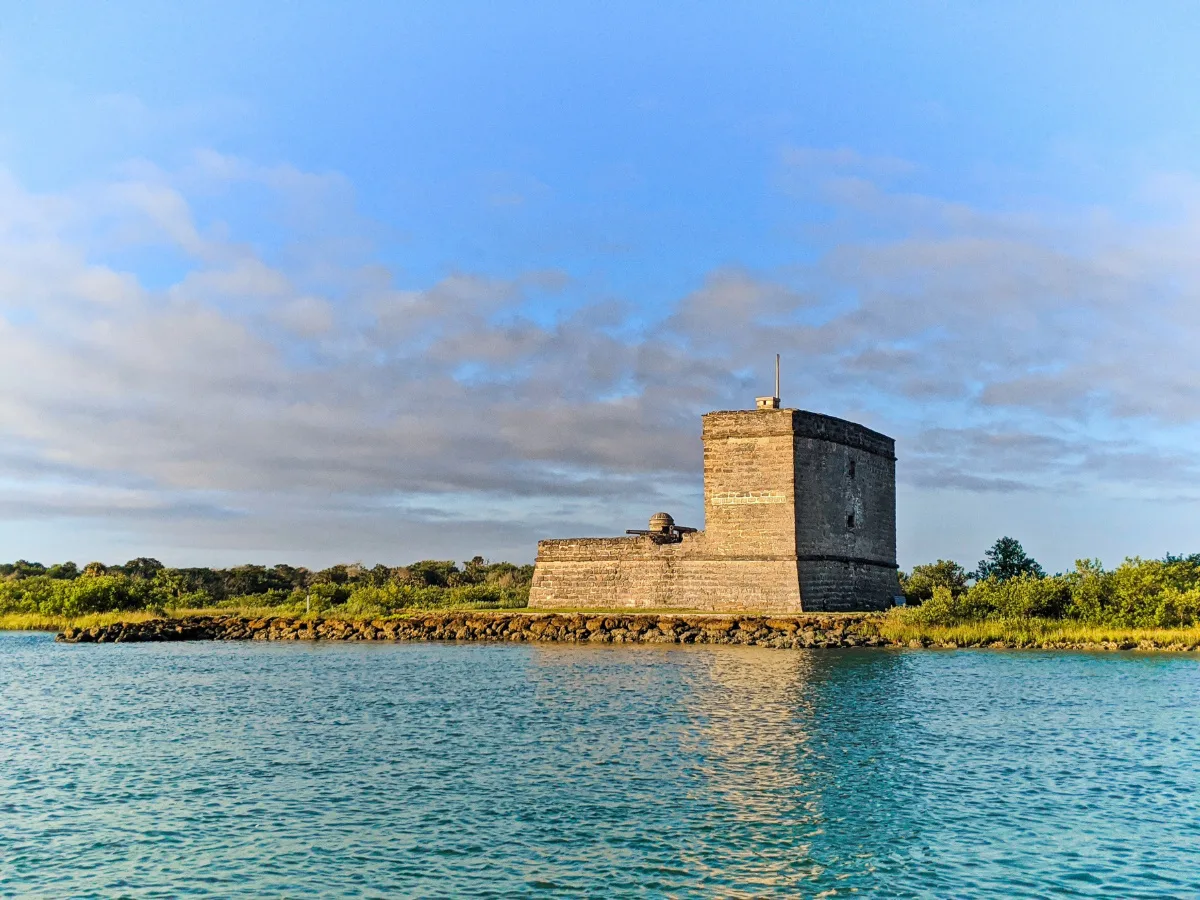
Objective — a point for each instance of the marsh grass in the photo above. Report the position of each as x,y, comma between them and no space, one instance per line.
1048,633
24,621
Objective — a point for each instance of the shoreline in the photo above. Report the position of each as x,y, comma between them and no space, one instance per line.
805,630
795,631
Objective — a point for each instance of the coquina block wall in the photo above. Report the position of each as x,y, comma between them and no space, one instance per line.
800,515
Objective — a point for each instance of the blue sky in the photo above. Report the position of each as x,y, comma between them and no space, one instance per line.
319,283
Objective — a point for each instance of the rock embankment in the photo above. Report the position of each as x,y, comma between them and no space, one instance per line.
825,631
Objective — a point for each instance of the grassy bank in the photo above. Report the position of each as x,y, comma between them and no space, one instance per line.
897,628
1035,633
33,621
1008,601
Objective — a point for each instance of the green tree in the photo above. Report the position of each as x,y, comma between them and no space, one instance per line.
1007,559
23,568
338,574
920,584
142,567
168,585
378,576
428,573
284,574
66,571
1023,596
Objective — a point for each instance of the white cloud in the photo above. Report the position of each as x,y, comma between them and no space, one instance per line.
1006,351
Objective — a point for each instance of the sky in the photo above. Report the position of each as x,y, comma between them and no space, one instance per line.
376,282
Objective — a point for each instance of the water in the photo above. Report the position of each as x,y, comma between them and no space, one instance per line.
433,770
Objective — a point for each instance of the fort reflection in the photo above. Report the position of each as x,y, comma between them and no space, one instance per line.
763,747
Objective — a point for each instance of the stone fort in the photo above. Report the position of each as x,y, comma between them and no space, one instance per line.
799,516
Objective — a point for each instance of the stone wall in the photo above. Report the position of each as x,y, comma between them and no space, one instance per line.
614,573
839,431
846,515
834,585
749,483
828,631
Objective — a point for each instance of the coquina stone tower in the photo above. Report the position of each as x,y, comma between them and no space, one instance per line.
799,514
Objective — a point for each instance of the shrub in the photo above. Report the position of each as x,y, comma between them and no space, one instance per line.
1137,594
945,607
272,598
1145,593
30,594
919,586
1022,597
1091,591
99,593
193,600
1176,608
382,600
144,583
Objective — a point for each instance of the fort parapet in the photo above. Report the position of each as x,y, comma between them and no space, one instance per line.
800,516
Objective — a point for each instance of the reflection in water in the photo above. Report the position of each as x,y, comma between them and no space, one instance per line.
509,771
753,716
740,738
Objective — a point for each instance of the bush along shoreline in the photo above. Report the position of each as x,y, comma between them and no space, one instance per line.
1009,586
32,591
1007,601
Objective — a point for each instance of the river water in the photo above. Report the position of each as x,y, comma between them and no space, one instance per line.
441,770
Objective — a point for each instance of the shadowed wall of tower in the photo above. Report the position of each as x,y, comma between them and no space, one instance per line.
845,514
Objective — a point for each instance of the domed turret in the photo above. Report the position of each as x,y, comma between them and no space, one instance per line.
663,529
661,522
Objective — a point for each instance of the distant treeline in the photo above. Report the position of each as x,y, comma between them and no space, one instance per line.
1007,585
65,589
1010,585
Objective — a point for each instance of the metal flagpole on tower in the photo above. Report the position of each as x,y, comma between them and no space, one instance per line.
776,376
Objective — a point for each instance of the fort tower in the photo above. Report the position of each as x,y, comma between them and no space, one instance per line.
799,514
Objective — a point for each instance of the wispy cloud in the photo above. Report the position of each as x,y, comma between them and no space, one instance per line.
1006,350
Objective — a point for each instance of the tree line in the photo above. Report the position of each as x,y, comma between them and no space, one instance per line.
1008,584
144,583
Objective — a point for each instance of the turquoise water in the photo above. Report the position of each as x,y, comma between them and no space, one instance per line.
437,770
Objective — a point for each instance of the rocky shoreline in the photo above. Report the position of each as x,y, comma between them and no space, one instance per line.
823,631
812,630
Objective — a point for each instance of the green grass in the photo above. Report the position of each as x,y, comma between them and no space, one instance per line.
21,621
1046,633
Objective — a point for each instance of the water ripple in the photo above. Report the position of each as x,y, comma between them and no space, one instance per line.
425,770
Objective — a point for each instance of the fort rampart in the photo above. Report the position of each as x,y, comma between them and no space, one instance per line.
609,573
800,515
